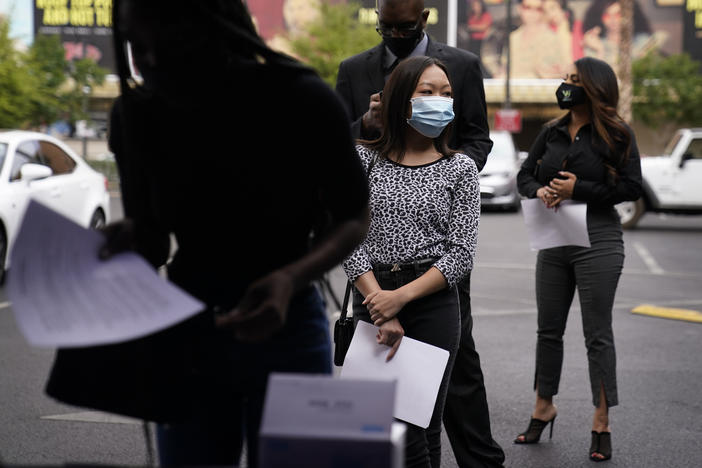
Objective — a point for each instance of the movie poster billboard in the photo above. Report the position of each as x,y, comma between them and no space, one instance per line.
547,35
279,20
84,26
692,24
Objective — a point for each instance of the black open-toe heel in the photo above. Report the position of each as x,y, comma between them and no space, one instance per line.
533,432
602,444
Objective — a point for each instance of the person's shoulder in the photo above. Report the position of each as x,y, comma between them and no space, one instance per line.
560,123
366,155
454,54
463,165
313,93
361,58
628,128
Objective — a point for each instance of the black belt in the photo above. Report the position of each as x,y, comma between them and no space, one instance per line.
409,266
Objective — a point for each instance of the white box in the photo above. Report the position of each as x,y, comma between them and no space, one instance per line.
320,421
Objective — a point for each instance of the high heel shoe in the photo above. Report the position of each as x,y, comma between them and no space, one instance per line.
533,432
602,444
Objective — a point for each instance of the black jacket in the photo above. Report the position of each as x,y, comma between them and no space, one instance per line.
586,157
362,75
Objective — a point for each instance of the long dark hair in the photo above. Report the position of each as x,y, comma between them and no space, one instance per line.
600,84
396,107
226,24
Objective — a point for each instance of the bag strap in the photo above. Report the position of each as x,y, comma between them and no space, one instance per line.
346,300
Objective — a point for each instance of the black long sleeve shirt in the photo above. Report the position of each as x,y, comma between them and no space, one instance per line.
586,157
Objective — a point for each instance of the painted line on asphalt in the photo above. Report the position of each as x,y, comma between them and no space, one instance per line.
4,305
623,306
626,271
506,266
487,312
668,313
632,302
92,417
648,259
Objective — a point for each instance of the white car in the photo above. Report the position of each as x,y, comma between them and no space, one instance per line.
40,167
498,179
672,183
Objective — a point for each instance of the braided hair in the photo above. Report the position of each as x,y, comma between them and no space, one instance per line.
226,24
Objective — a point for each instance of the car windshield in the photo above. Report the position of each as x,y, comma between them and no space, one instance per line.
673,143
3,151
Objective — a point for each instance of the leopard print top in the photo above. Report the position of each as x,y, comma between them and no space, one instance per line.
418,212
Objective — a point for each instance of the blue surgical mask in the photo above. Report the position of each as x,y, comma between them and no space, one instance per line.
431,114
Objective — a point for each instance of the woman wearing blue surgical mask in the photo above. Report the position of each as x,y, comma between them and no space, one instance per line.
425,208
588,156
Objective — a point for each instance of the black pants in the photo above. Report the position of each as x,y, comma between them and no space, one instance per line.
434,319
466,417
595,271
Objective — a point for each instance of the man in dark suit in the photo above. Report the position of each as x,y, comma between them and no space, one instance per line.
362,76
401,24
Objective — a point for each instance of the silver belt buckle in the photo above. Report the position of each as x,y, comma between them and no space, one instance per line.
395,267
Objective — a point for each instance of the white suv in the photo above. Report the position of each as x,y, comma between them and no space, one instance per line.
672,182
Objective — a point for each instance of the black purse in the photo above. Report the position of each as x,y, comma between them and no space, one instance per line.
343,330
343,327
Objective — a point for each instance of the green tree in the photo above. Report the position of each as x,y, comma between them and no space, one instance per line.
40,85
46,61
667,90
334,36
83,75
17,84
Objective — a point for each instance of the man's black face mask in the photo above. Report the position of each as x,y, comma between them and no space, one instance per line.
404,44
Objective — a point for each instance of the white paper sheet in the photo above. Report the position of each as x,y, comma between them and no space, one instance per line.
63,295
548,227
418,368
322,406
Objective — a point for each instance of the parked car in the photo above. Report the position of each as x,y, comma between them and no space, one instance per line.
40,167
671,182
498,179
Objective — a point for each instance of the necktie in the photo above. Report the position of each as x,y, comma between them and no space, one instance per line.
389,69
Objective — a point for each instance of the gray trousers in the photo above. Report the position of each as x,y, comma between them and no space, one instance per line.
595,272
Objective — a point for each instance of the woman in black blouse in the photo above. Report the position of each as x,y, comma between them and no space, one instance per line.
209,152
589,156
425,207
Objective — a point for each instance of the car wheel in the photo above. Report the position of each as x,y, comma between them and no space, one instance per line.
630,212
98,219
3,254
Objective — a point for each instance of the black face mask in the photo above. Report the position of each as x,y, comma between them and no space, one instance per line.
569,95
403,46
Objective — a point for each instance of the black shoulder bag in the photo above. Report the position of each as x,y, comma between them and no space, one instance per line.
343,330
